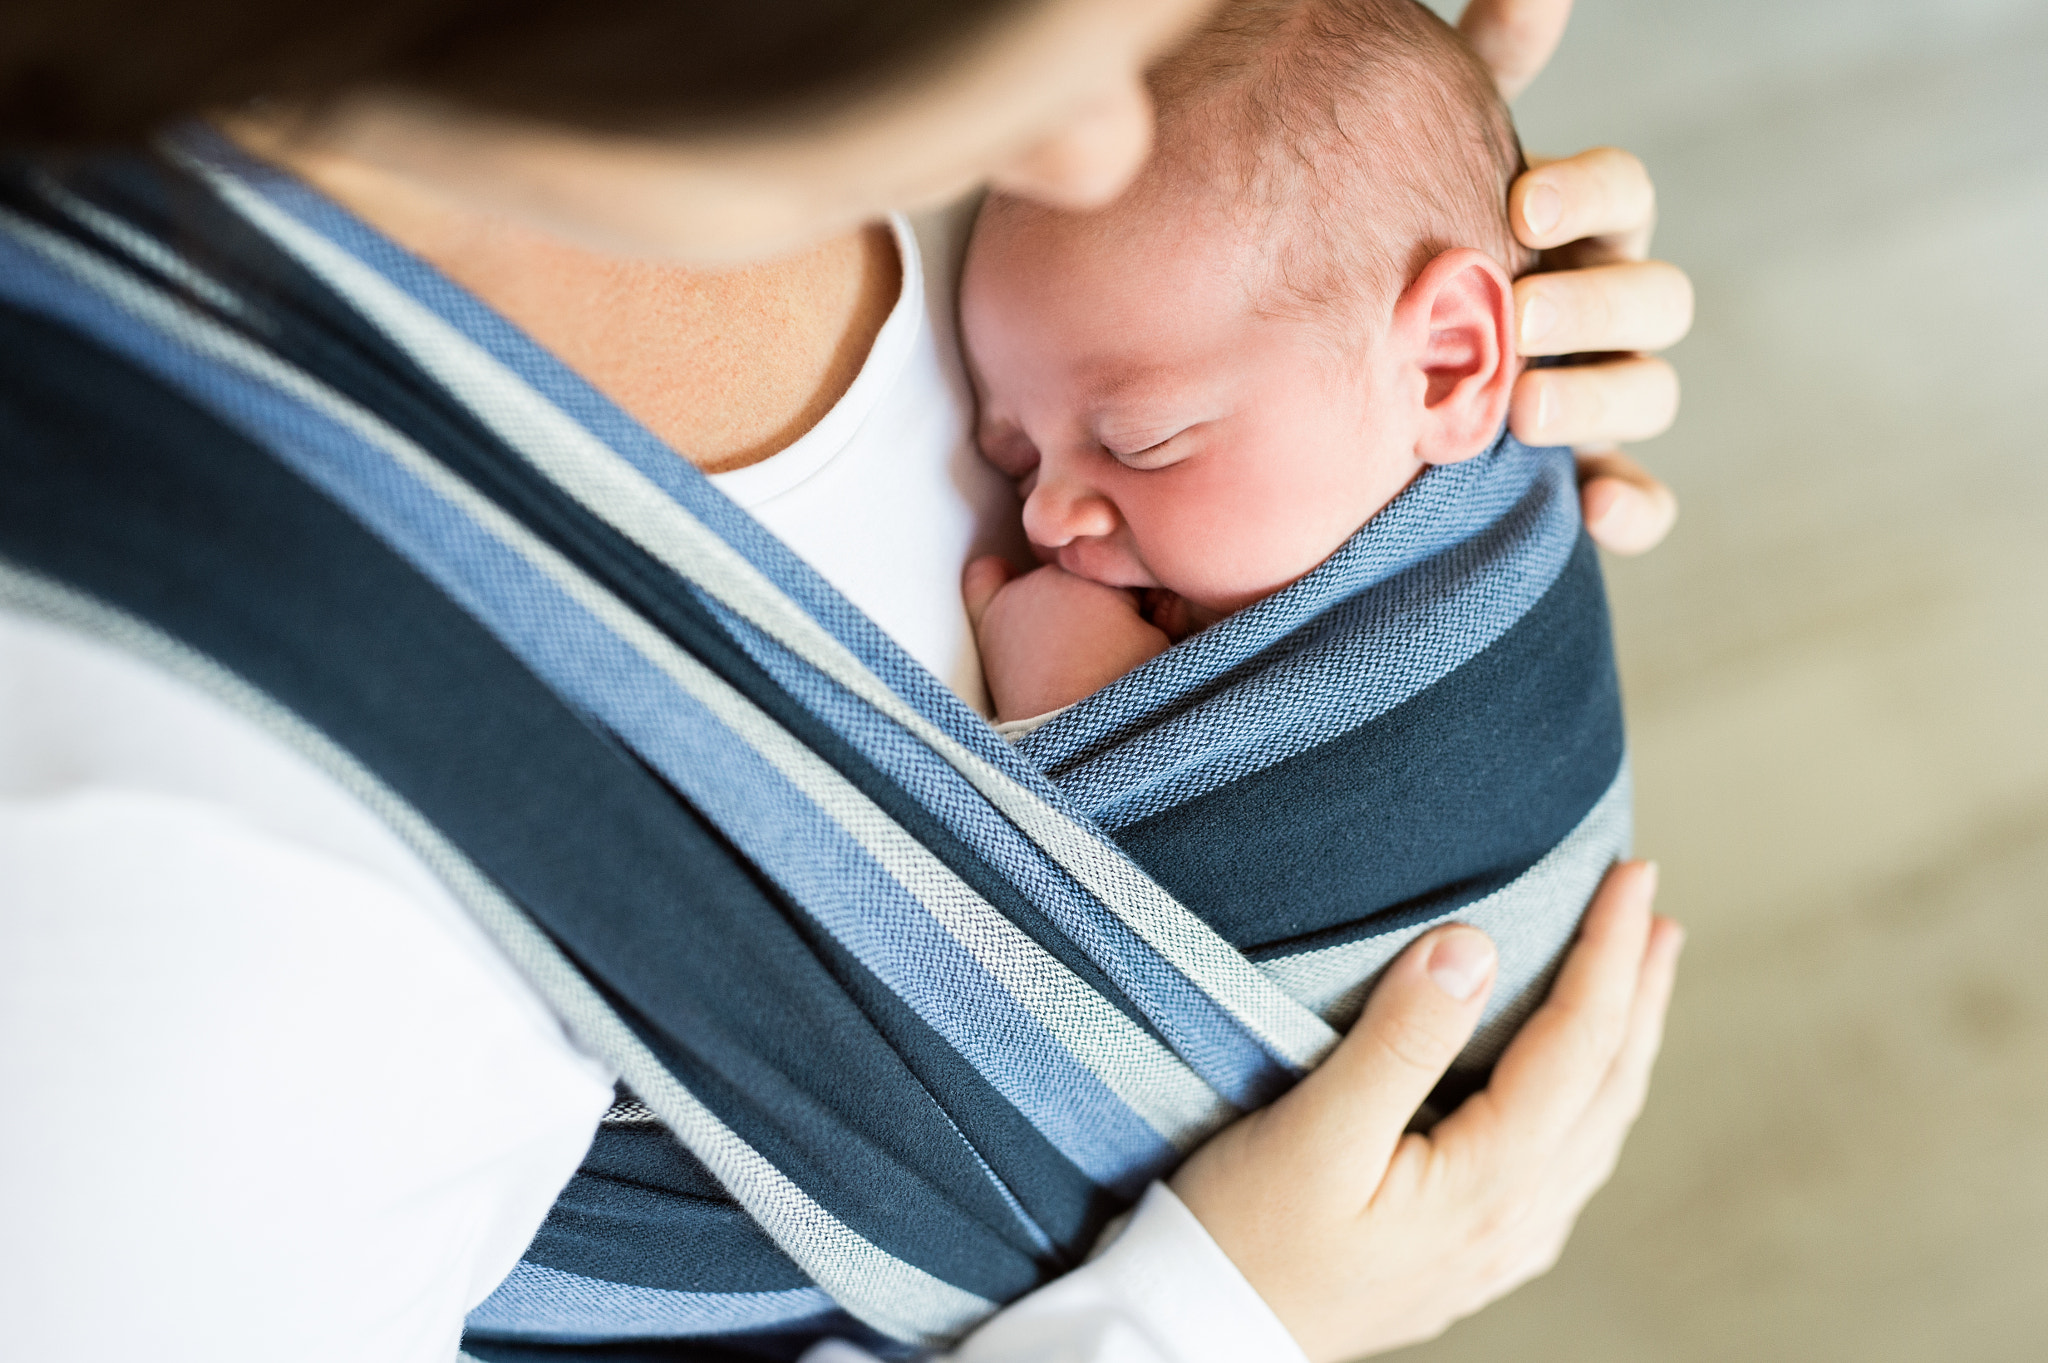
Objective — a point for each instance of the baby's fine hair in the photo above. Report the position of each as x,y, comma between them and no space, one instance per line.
1357,138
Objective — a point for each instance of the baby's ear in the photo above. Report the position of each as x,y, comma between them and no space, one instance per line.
1455,323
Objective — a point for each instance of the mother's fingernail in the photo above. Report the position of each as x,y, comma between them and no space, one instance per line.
1539,319
1460,962
1542,209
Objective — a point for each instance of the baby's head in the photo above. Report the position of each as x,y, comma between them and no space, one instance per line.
1303,301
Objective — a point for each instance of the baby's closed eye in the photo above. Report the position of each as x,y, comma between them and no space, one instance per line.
1144,452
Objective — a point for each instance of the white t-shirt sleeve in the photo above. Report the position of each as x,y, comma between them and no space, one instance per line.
259,1102
1161,1293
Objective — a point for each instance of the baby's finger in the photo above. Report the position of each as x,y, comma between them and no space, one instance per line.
1514,37
1641,305
980,582
1352,1110
1626,510
1595,405
1549,1074
1603,193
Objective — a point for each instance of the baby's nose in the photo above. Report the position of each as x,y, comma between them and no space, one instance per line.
1057,513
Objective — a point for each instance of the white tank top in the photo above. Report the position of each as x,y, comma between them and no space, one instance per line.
886,497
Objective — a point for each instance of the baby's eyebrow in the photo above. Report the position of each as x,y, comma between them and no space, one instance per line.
1119,380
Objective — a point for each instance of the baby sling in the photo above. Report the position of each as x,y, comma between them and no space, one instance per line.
903,1014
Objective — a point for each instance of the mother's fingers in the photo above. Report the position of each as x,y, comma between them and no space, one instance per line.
1594,1146
1626,510
1550,1073
1639,305
1594,405
1352,1110
1621,1095
1514,37
1603,194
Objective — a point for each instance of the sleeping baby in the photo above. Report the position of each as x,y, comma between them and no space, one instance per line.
1321,646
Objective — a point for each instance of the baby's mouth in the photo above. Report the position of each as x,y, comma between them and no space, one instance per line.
1174,615
1169,613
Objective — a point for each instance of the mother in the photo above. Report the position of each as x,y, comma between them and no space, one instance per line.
287,1095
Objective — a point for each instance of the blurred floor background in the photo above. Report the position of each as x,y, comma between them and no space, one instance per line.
1837,676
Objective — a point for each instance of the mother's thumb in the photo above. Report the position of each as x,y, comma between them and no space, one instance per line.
1419,1017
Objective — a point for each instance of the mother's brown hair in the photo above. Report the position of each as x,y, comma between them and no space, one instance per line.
82,73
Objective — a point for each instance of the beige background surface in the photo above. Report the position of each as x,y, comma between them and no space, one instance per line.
1837,678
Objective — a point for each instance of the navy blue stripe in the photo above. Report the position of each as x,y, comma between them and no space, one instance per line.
1437,803
643,1211
646,1188
130,493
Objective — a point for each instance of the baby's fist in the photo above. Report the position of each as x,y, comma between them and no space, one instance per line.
1048,638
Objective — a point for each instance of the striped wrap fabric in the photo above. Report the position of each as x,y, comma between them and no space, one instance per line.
904,1014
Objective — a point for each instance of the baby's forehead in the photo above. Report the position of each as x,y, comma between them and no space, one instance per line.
1166,206
1141,302
1170,230
1109,270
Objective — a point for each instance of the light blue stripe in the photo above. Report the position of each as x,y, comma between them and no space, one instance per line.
541,1305
1198,1028
1244,1067
1244,997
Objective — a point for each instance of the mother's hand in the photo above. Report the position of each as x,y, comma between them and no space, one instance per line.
1363,1238
1591,215
1595,293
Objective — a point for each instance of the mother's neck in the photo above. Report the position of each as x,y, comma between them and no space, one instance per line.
727,367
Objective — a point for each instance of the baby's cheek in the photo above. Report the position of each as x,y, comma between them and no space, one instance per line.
1229,544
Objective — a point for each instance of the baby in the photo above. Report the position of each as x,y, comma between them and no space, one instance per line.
1206,389
1322,647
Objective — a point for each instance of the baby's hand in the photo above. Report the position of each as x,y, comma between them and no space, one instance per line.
1049,638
